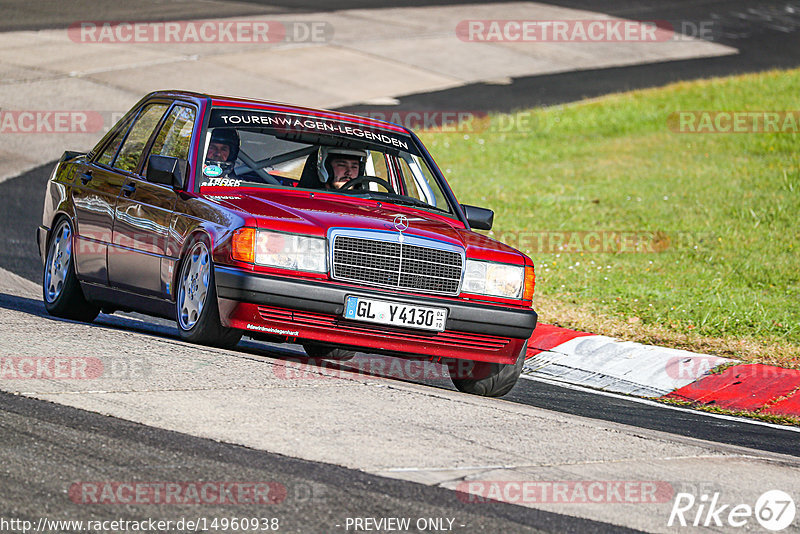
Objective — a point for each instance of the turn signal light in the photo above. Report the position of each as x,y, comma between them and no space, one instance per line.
530,282
244,245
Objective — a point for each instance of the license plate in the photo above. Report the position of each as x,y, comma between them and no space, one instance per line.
395,313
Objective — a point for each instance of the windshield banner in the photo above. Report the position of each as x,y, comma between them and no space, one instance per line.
282,123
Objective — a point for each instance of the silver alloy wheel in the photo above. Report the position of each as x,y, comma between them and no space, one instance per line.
58,261
194,284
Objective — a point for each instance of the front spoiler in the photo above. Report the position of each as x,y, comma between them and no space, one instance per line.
329,298
313,310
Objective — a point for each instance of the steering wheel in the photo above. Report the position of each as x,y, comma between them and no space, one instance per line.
366,179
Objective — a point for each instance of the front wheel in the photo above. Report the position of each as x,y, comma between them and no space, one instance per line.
323,352
485,378
196,303
61,290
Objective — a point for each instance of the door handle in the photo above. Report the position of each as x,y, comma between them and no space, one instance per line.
128,189
85,177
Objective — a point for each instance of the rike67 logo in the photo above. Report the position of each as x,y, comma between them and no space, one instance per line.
774,510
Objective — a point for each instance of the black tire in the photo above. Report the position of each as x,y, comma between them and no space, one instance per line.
61,290
322,352
196,308
484,378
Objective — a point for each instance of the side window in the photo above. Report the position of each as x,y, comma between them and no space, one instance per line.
376,165
131,151
174,137
107,156
418,181
291,170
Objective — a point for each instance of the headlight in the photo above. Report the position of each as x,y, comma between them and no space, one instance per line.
494,279
286,251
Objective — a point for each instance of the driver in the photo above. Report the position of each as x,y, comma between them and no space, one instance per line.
223,150
337,166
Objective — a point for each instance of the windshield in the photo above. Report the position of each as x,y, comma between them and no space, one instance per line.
265,149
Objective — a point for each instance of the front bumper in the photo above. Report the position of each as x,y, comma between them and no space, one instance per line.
41,242
309,310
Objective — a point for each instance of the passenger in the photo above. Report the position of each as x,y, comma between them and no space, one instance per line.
223,149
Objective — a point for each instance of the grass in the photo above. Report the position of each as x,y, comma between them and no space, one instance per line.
717,214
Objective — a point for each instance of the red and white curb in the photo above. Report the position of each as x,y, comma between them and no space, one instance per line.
605,363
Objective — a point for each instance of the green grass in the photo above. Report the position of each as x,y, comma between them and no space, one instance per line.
724,207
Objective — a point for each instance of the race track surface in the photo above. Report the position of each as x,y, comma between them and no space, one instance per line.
48,447
395,454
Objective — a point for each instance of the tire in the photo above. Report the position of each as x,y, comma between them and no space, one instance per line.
484,378
196,308
323,352
61,290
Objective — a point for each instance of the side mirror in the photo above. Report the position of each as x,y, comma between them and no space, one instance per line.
478,218
70,154
166,170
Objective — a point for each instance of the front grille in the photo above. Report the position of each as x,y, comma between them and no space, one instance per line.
398,265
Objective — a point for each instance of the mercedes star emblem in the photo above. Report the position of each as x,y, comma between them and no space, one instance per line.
401,223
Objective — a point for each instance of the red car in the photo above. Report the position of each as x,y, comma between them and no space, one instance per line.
235,216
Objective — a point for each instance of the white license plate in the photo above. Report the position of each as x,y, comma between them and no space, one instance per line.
395,313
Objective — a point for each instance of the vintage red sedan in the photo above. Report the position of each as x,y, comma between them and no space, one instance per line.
235,216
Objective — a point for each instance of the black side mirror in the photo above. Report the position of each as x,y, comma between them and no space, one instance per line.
166,170
478,218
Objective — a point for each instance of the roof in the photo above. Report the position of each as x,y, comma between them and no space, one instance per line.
233,101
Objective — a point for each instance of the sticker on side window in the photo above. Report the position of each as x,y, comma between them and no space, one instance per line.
221,182
212,170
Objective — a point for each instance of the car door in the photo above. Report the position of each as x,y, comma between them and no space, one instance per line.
94,194
136,258
133,252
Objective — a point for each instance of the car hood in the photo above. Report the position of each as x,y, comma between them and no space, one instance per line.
315,214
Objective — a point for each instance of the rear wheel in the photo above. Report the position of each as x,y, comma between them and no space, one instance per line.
196,302
484,378
61,290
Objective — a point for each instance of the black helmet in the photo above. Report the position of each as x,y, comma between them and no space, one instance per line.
227,136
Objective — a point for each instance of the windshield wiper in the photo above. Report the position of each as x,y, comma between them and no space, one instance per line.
396,199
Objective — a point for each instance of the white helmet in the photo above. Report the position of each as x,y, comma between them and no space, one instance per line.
325,153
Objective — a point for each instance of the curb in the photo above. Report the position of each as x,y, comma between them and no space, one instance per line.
630,368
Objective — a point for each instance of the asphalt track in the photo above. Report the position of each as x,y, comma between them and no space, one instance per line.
18,15
68,441
561,398
47,447
761,45
767,35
